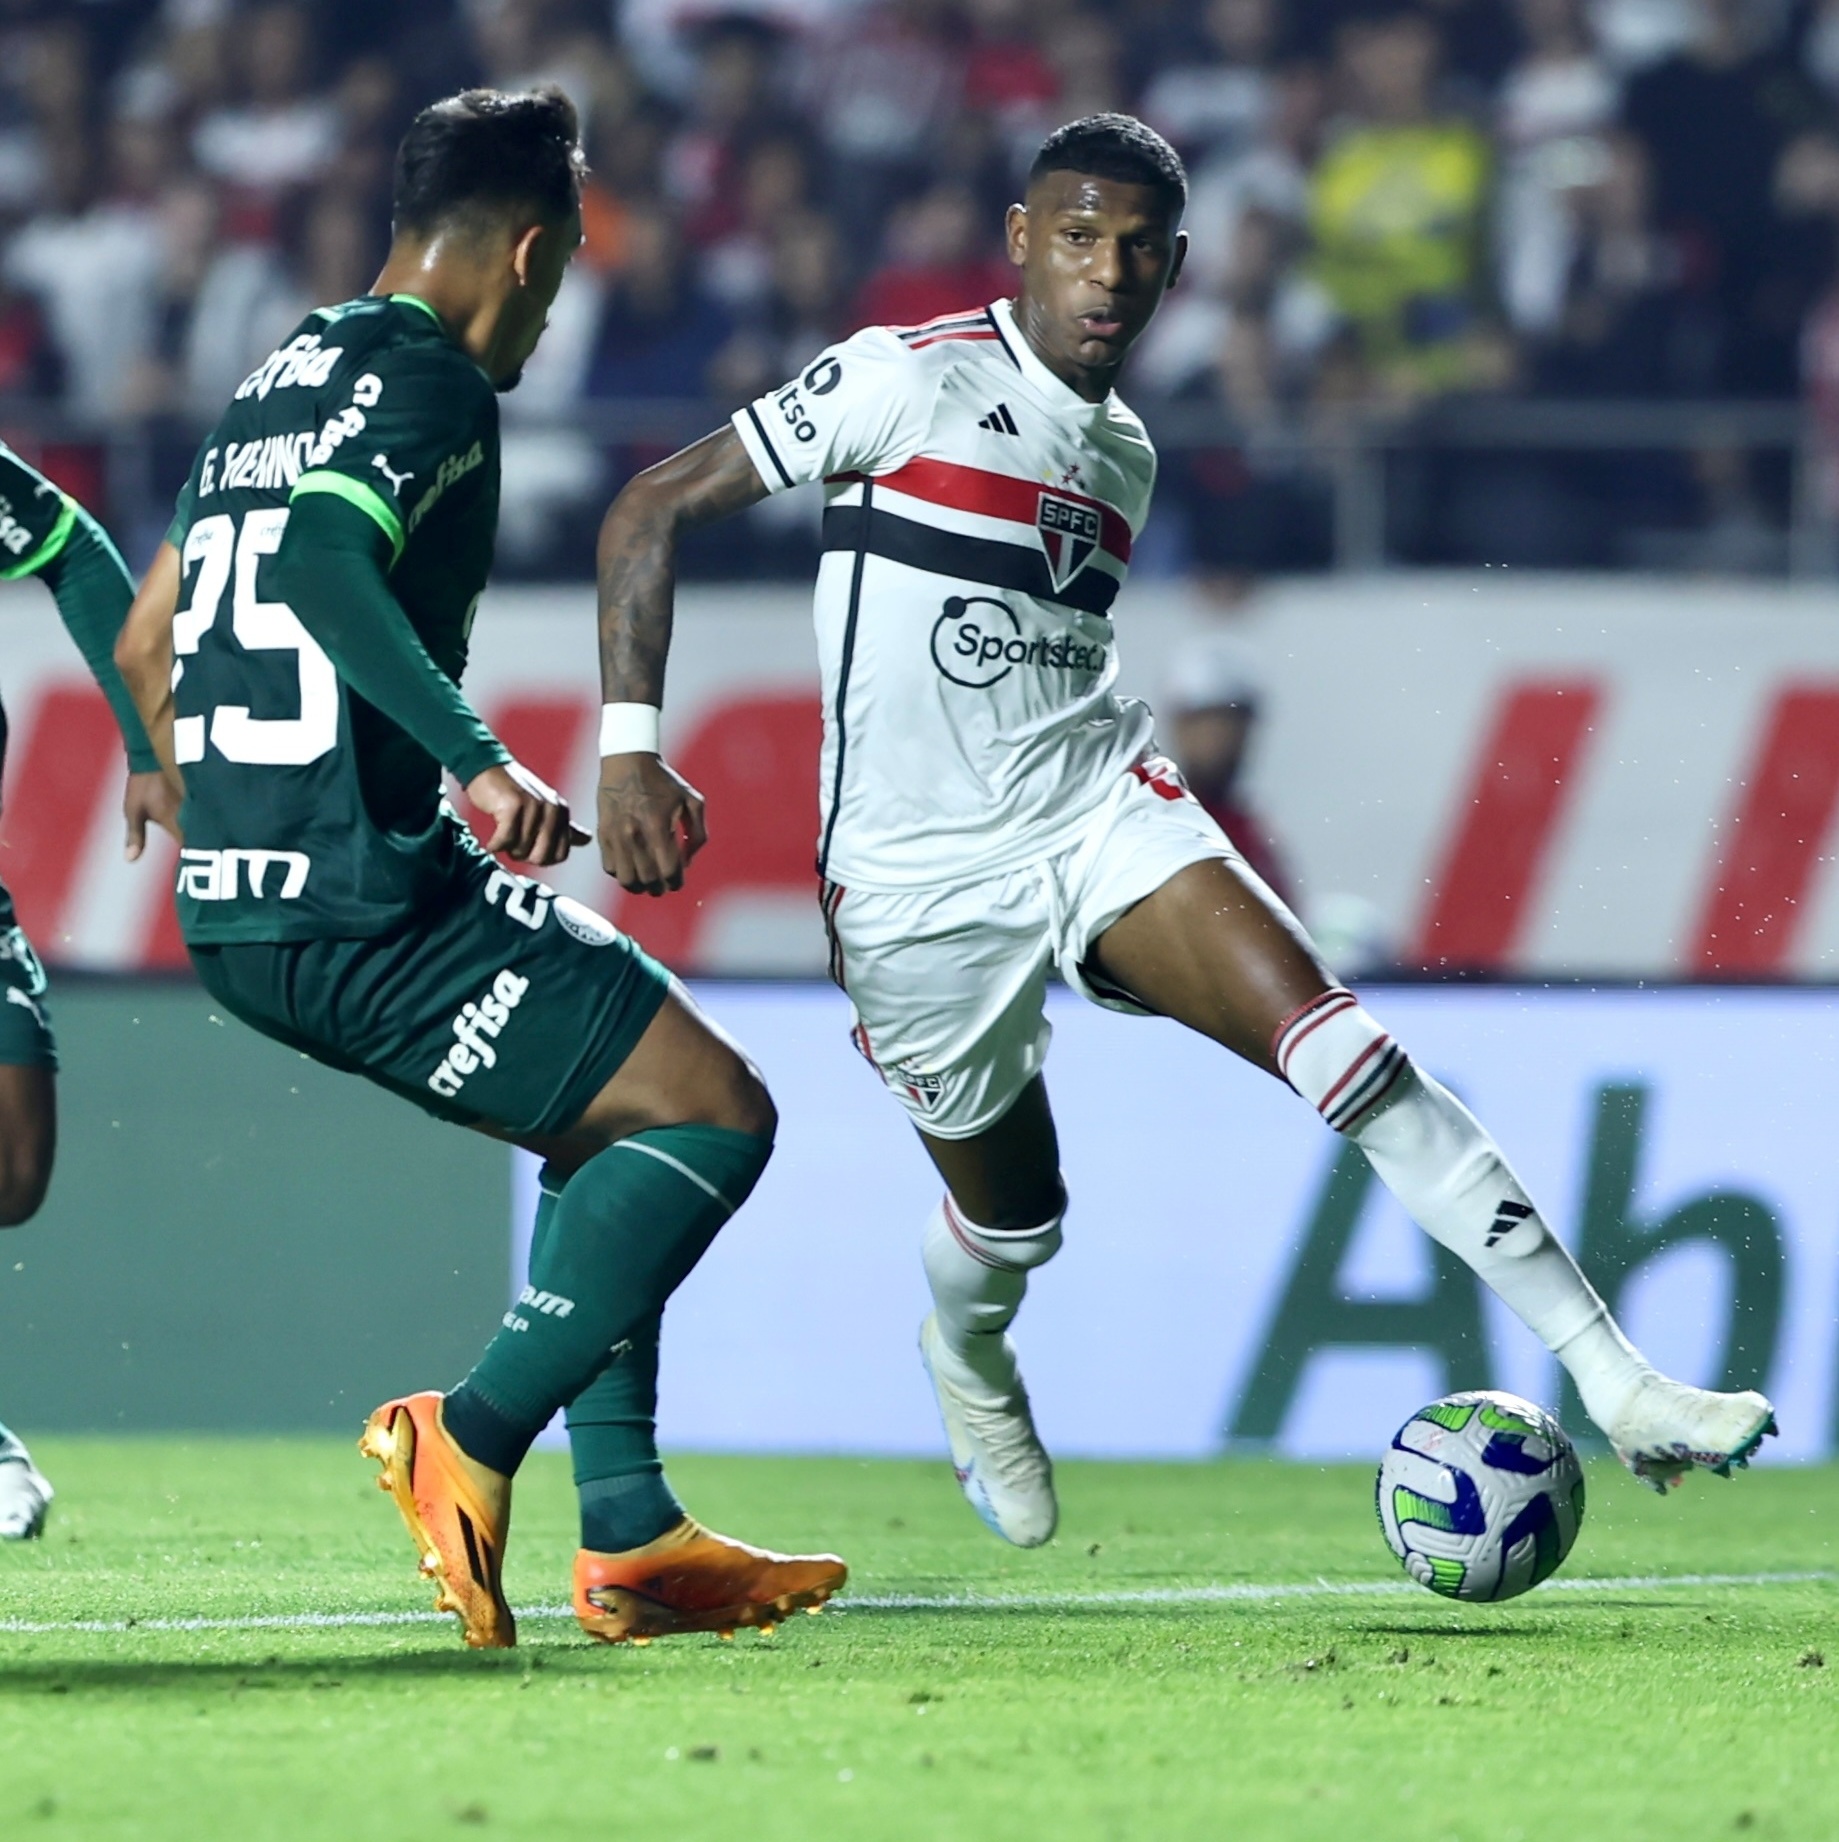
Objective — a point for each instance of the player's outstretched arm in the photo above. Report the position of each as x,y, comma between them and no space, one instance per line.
332,569
651,821
93,590
143,656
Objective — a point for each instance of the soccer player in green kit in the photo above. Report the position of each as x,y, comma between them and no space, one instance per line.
296,651
45,533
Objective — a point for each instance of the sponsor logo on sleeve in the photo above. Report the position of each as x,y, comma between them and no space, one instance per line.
454,467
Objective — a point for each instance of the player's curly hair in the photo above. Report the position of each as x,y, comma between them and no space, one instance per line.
1116,147
485,150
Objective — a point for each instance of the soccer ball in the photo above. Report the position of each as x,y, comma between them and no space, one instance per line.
1481,1495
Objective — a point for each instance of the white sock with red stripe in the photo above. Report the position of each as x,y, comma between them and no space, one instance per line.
978,1277
1433,1155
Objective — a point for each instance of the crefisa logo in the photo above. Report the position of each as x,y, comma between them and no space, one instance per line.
1069,532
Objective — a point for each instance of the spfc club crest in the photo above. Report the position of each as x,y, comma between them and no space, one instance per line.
1069,534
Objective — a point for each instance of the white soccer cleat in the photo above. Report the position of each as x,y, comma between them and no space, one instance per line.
25,1493
1003,1469
1665,1428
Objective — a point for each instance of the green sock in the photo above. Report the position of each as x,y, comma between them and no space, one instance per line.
612,1433
623,1234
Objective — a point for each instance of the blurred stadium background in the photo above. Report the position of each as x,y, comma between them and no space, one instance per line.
1489,597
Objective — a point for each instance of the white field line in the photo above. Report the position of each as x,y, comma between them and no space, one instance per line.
1256,1593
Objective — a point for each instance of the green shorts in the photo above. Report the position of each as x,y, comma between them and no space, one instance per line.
502,1004
25,1022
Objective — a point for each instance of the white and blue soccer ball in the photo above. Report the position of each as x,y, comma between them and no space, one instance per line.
1481,1495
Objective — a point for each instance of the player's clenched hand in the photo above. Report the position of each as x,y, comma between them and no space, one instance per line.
650,823
530,820
149,797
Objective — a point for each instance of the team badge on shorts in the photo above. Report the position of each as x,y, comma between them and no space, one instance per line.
925,1089
922,1087
589,928
1069,533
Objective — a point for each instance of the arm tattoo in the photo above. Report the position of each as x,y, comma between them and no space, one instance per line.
637,559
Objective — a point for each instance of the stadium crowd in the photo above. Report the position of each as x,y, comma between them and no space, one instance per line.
1393,203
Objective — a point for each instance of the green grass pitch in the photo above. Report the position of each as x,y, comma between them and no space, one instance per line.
1084,1691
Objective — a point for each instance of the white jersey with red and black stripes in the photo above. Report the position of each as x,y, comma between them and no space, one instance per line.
978,522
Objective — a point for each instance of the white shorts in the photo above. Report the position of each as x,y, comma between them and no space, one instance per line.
949,984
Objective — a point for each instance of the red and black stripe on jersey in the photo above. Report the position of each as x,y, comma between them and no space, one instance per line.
979,325
1018,564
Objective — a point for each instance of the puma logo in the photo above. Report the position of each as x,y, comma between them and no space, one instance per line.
397,480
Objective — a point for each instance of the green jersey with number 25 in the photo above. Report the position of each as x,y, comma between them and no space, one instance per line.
308,814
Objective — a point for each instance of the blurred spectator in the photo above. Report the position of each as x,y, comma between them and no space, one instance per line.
1210,711
1397,204
1715,118
278,131
28,365
1479,43
1088,66
1007,69
1256,506
660,334
1390,200
1820,48
527,44
800,315
1218,106
1556,102
1637,33
734,101
1266,182
94,262
1618,329
939,260
772,182
1807,185
626,166
884,85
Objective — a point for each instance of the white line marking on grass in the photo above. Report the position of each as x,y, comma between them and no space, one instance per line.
1302,1589
939,1602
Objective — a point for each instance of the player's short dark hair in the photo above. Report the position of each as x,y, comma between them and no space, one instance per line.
1115,147
484,151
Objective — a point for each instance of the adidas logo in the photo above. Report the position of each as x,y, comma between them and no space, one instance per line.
999,421
1507,1218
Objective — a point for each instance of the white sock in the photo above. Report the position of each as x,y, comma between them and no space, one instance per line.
1433,1155
978,1277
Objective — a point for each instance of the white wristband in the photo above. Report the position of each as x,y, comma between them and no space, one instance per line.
629,729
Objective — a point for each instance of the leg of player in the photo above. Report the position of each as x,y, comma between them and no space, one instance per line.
999,1219
28,1141
1211,950
634,1194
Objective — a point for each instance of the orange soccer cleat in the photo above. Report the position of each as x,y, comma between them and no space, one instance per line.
458,1514
691,1579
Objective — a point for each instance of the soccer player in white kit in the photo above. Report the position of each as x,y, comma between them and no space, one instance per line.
990,806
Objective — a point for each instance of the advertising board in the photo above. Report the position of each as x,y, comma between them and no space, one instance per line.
1233,1278
1522,774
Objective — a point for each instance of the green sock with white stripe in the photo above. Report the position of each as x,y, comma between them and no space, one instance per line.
626,1230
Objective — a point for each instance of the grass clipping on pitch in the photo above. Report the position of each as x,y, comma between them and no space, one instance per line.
221,1638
